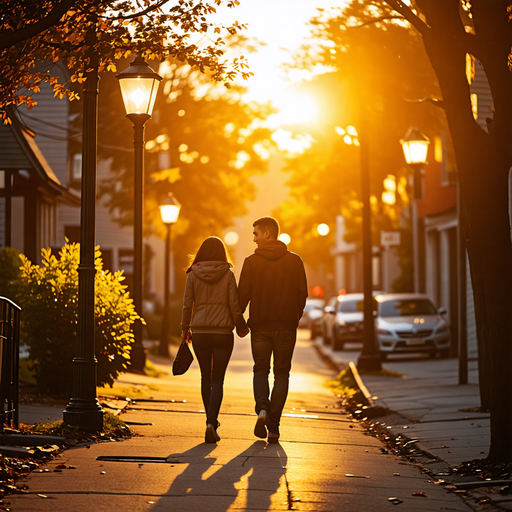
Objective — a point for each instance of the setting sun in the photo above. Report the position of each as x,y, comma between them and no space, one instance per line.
295,108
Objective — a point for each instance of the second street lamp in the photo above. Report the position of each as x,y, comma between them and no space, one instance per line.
169,210
415,147
139,85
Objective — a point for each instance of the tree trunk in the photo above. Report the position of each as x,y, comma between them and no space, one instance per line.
483,165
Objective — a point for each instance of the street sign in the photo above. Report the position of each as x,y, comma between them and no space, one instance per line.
389,238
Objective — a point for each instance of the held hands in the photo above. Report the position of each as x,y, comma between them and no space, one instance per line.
186,337
243,332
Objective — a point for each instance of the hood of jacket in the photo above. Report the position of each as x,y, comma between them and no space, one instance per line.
210,271
272,250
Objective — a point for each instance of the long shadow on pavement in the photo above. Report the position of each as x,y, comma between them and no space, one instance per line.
251,478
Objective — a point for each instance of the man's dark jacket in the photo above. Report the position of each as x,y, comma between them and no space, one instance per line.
273,280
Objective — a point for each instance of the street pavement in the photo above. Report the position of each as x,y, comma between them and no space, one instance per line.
325,461
429,403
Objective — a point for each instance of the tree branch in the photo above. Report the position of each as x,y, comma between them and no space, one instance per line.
434,101
8,39
137,14
406,12
376,20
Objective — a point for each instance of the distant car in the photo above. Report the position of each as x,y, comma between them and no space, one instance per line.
409,322
315,319
312,311
343,320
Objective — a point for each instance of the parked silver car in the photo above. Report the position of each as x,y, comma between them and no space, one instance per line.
409,322
343,320
312,313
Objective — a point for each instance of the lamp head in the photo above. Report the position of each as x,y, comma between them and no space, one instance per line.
170,209
139,85
415,147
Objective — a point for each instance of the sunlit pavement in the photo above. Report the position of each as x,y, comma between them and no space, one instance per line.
324,461
431,405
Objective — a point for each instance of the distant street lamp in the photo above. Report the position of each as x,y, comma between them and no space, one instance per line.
415,147
169,211
139,85
323,229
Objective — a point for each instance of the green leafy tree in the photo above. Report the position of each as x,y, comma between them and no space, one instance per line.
381,70
203,144
450,32
50,313
60,30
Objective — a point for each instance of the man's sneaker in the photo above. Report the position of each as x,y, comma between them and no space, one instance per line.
260,430
211,435
273,438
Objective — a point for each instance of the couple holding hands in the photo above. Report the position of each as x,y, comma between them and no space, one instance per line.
273,281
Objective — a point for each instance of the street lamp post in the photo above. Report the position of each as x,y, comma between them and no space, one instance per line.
169,211
83,409
369,359
415,147
139,85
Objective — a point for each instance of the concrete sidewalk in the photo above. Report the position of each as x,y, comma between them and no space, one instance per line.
324,461
431,406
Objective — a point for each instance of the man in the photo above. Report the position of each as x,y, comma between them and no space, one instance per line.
273,280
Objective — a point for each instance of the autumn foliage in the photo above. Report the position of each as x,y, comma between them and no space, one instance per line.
35,35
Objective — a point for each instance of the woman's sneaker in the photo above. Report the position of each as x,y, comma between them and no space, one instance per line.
260,430
273,438
211,435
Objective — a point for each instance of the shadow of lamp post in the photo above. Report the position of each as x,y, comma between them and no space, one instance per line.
139,85
169,211
415,147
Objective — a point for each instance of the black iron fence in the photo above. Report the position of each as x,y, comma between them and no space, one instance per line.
9,363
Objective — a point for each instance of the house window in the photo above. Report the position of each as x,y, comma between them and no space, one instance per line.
470,68
474,105
76,167
448,173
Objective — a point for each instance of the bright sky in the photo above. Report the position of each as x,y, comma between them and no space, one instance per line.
283,26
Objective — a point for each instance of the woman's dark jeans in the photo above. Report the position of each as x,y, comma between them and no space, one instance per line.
213,352
264,344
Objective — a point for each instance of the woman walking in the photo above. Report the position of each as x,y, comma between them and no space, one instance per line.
211,311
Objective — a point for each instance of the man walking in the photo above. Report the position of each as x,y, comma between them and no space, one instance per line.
273,280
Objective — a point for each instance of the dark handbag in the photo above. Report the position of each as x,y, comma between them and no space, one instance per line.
183,360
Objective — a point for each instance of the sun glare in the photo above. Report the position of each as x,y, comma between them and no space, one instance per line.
295,108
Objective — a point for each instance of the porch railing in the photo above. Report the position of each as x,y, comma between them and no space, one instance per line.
9,363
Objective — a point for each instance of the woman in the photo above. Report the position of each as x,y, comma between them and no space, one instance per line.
211,311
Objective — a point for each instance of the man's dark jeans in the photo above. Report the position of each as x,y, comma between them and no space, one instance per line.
264,344
213,352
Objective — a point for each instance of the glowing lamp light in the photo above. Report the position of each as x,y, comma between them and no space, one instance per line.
139,85
323,229
415,147
231,238
388,197
170,209
285,238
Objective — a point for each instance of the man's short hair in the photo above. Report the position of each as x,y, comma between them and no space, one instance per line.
268,223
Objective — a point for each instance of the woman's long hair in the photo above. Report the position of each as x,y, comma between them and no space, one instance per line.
212,249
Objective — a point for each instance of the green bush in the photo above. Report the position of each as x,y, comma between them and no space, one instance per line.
10,273
50,316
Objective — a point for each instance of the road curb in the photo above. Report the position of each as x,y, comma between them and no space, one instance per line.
363,395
